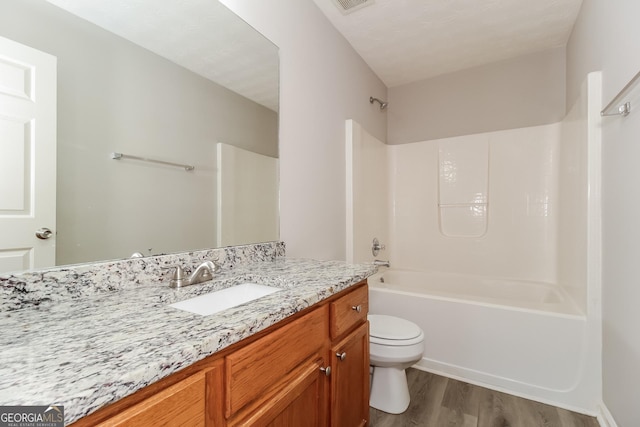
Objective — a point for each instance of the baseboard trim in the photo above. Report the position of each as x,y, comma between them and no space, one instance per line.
605,419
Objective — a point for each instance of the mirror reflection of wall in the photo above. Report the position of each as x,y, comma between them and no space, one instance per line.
247,208
114,96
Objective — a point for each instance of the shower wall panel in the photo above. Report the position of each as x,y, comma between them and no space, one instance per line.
522,200
367,194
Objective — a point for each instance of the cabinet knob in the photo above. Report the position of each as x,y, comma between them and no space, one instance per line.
327,370
342,355
357,308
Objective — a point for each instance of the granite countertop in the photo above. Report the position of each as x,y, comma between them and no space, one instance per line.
88,352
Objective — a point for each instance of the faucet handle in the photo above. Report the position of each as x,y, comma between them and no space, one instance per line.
207,273
376,247
216,263
178,278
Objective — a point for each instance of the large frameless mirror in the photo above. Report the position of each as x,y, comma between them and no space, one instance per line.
156,82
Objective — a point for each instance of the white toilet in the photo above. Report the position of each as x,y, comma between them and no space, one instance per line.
394,344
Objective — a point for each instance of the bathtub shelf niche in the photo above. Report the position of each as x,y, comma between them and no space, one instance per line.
463,186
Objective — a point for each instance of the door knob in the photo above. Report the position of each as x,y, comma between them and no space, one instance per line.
43,233
327,370
342,355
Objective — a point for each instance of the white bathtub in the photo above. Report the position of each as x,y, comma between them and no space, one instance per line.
522,337
508,293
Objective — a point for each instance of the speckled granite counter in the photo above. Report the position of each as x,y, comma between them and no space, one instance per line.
86,352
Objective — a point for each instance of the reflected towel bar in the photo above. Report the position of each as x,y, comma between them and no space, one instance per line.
622,109
118,156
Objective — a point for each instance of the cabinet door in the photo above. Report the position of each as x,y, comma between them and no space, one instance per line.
182,404
256,370
299,403
350,380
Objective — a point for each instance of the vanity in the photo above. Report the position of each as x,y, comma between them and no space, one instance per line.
109,347
311,369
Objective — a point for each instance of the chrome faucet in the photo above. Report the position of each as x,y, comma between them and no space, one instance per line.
380,263
201,274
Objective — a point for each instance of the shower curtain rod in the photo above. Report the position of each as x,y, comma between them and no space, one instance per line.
623,109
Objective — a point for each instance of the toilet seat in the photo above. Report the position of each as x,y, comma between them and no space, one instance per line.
393,331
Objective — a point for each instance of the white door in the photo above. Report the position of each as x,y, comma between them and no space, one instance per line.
27,156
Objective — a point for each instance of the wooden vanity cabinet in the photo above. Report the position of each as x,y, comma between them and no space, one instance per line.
181,404
308,396
350,359
277,378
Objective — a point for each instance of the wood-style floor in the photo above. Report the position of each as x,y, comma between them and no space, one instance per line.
442,402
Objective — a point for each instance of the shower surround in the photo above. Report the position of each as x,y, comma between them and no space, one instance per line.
494,244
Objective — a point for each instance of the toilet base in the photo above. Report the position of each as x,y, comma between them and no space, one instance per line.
389,390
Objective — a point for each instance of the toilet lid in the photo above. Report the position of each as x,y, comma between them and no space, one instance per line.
392,328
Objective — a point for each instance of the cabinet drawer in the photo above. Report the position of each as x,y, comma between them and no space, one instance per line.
344,311
254,369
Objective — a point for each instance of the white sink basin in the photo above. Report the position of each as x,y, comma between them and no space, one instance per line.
226,298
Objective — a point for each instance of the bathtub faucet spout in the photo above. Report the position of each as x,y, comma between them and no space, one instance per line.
379,263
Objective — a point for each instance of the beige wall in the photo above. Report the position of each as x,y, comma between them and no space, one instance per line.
115,96
606,36
520,92
323,83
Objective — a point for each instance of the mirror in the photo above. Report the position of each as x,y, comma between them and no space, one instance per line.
181,82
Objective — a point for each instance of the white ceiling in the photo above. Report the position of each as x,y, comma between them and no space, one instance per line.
404,41
200,35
